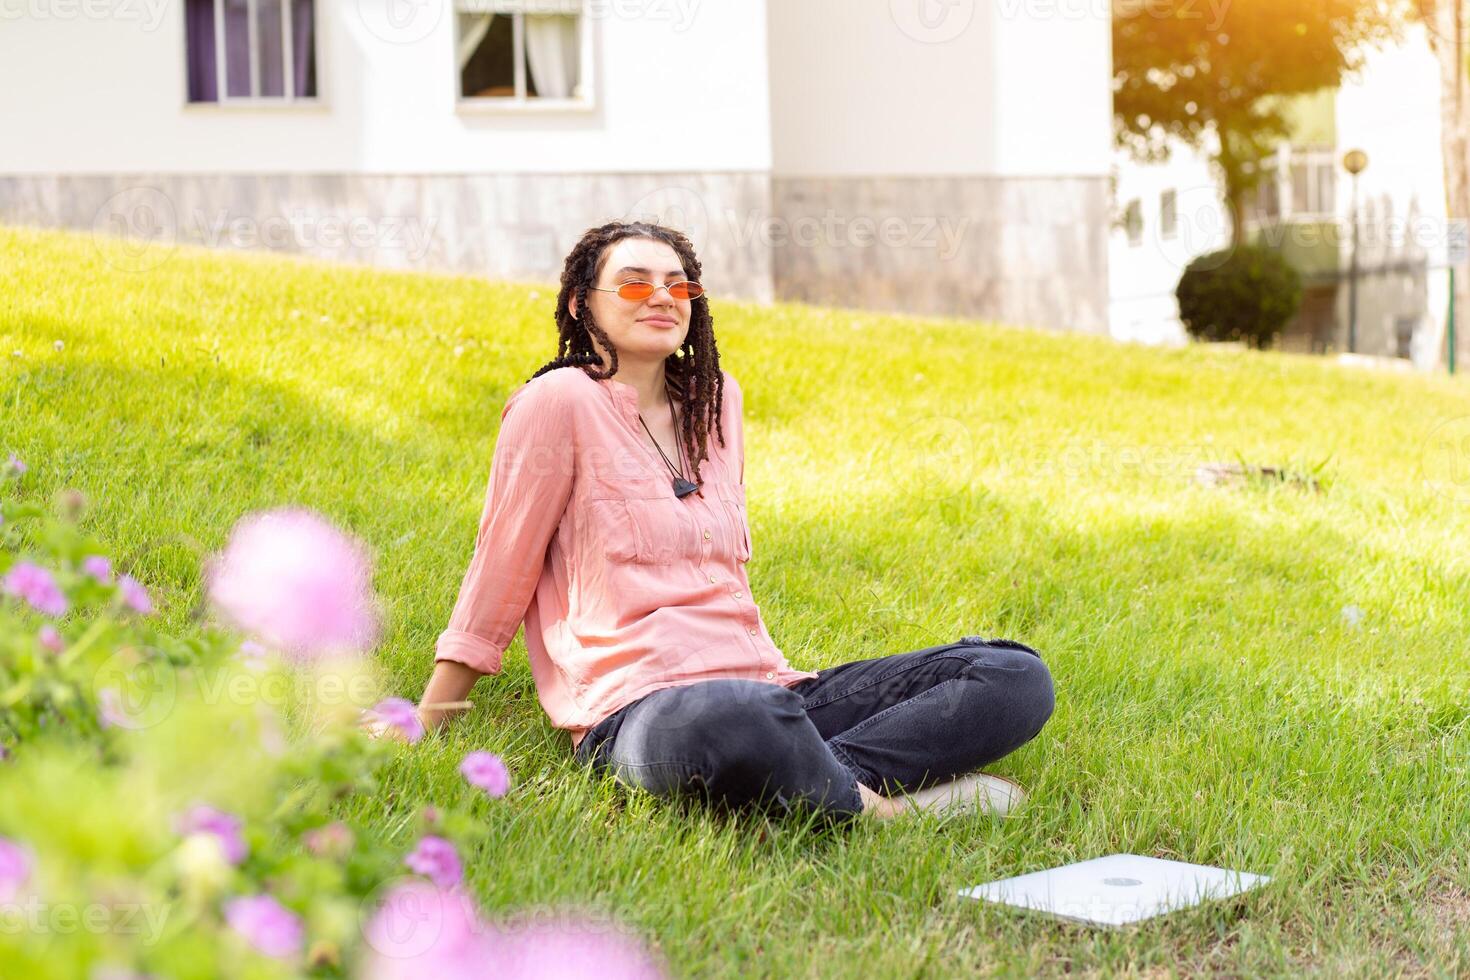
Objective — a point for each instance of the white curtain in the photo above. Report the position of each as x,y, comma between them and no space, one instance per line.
472,30
551,48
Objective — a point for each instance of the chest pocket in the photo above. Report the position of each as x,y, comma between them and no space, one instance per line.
732,500
639,520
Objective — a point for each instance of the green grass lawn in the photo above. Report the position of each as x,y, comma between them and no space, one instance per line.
911,480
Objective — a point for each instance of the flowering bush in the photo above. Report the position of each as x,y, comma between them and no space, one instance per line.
167,815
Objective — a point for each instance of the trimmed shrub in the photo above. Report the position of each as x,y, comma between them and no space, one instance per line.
1246,293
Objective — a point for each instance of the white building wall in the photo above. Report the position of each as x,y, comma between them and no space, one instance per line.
105,95
1143,275
963,88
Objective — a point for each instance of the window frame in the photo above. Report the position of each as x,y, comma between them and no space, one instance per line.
288,101
1133,207
1314,160
521,102
1169,213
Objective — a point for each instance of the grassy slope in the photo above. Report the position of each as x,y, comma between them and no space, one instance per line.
911,480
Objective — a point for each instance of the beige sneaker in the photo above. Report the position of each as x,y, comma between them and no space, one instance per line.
974,791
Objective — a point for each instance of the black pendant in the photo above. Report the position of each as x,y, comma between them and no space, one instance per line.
683,488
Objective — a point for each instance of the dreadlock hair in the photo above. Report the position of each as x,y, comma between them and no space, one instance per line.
692,372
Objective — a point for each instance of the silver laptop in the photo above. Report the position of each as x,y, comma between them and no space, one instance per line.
1116,890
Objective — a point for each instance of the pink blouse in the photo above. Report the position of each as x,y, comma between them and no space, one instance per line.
624,588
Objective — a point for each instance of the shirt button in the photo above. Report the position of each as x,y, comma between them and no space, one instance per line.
769,675
711,578
752,632
706,534
739,595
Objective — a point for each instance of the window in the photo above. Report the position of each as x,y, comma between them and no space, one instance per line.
1313,182
1404,328
521,50
1268,192
262,50
1169,214
1133,221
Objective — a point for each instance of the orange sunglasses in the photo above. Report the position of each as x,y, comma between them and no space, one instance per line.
637,289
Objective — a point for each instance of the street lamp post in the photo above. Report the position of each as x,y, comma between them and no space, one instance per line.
1354,162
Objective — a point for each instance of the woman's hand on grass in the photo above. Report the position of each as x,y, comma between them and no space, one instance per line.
444,697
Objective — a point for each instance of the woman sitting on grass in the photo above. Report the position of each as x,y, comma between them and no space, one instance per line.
616,529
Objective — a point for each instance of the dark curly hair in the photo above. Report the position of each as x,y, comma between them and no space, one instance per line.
692,372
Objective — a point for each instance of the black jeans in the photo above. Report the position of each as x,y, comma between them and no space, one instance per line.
894,723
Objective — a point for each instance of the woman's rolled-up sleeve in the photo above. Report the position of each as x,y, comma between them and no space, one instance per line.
531,477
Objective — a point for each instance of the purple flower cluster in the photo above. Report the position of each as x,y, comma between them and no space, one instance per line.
266,924
401,714
486,771
35,585
436,859
224,827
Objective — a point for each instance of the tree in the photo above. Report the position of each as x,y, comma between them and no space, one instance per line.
1188,68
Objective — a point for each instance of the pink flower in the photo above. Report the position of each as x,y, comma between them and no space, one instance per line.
435,858
402,715
487,771
15,868
14,465
134,595
35,585
252,655
333,840
110,711
550,950
266,924
419,931
98,567
225,827
297,583
51,639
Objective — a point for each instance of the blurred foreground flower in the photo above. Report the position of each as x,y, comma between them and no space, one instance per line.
110,711
224,827
420,931
51,639
202,865
29,581
436,859
297,583
99,567
135,597
15,868
487,771
335,840
563,951
399,713
266,924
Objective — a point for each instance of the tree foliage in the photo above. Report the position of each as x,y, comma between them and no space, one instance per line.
1203,71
